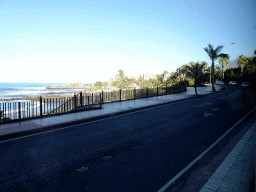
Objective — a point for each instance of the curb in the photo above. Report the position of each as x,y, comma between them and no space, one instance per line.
53,127
197,184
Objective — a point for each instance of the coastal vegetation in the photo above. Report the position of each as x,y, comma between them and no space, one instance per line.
244,72
195,70
191,74
214,54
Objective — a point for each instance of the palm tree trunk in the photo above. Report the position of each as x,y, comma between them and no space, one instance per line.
196,91
213,88
195,85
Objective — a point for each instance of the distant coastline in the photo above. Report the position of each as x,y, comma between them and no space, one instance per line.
65,87
32,91
36,98
68,86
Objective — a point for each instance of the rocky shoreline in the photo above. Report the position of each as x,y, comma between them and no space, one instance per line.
65,88
45,96
69,86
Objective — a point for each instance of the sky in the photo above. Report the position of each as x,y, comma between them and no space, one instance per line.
69,41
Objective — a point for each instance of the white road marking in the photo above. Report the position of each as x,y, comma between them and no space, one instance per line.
82,169
215,109
207,114
169,183
107,157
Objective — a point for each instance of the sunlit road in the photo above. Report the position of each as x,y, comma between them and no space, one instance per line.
138,151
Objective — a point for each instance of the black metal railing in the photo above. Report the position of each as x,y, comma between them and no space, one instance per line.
123,95
12,110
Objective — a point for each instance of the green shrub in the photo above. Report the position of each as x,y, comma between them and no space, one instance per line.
188,82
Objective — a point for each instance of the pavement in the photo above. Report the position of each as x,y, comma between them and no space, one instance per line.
237,169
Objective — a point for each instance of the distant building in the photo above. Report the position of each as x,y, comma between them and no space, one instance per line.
149,76
145,76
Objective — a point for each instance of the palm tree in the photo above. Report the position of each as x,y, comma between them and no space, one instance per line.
242,61
182,70
254,55
214,54
164,74
196,70
224,62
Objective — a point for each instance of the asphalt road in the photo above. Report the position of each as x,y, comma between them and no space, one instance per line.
138,151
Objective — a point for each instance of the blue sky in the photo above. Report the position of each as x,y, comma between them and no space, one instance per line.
84,41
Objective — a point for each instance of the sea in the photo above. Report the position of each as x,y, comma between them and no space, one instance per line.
18,90
14,91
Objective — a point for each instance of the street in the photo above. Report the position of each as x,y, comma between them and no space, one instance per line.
138,151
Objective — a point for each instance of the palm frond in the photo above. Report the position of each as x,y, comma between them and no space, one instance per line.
218,49
222,55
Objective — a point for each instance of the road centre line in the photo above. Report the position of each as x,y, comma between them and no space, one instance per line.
169,183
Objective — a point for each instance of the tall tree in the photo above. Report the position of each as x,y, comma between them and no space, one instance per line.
214,54
196,70
159,78
98,84
121,74
164,74
223,62
242,61
182,70
115,84
253,59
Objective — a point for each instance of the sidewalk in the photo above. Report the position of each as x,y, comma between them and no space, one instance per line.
234,173
238,169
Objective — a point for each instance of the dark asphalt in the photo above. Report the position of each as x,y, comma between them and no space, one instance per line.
139,151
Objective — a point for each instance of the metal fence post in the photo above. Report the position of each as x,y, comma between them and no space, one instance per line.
100,99
174,89
19,111
88,102
147,92
157,91
180,88
81,99
74,103
102,96
41,107
56,105
166,90
120,95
